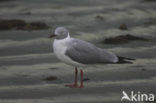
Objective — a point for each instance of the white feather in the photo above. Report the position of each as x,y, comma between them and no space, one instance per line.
59,48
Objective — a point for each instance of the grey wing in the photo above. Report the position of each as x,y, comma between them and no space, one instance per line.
86,53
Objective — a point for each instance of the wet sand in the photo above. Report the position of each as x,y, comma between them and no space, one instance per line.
26,57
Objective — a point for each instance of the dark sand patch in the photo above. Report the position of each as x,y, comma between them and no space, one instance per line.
143,69
123,39
52,68
123,27
99,17
21,25
50,78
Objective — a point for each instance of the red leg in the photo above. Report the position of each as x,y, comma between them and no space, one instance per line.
81,82
75,85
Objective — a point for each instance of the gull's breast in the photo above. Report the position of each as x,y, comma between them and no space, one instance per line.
59,48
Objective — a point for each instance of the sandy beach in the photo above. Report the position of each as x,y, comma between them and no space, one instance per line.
30,72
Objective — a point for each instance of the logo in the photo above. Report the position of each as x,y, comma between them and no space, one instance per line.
138,96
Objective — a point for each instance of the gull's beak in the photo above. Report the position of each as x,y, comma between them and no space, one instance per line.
51,36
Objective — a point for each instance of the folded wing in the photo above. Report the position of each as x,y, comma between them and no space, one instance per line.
87,53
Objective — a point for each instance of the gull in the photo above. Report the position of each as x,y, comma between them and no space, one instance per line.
79,53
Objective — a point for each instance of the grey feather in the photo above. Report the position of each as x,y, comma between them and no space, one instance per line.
87,53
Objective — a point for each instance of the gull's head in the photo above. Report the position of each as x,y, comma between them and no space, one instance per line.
60,33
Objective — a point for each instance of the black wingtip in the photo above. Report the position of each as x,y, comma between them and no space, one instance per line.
124,60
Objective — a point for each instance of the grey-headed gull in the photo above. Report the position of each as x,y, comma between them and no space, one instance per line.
77,53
